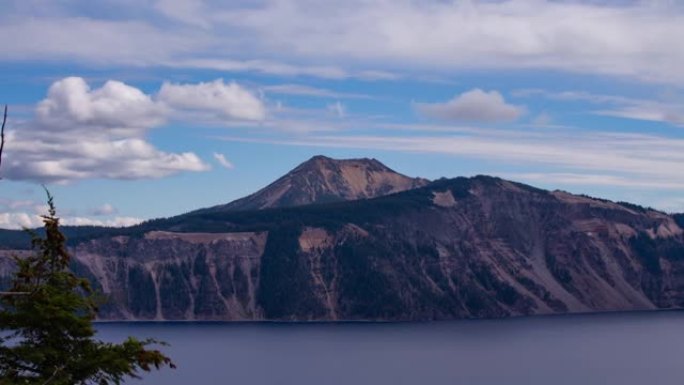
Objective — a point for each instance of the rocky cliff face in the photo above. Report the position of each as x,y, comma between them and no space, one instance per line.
175,276
322,179
460,248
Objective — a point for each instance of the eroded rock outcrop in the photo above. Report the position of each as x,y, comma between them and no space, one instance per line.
175,276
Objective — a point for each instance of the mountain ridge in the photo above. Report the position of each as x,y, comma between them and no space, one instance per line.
478,247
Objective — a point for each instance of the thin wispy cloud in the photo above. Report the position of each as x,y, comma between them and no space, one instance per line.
223,161
658,110
617,39
304,90
626,159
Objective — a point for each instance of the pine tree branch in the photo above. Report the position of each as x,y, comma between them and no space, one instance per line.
54,374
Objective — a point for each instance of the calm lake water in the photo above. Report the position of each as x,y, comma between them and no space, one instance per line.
619,349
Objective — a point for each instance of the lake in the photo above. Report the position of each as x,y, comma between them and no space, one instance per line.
624,349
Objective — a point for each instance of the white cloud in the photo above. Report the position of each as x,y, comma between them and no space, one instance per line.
80,38
83,133
230,100
587,37
474,105
18,214
654,112
635,39
221,159
105,209
114,222
118,109
20,220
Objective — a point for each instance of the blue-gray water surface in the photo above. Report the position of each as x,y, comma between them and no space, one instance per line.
624,349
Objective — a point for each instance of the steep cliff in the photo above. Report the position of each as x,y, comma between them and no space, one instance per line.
459,248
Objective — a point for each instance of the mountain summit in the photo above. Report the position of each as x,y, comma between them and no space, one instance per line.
322,179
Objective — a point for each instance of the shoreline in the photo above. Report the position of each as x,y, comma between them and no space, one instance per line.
391,322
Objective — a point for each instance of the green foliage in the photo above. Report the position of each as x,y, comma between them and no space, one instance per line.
46,324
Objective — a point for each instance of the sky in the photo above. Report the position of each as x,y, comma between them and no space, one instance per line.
128,110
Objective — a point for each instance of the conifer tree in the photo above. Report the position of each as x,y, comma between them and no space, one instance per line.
46,324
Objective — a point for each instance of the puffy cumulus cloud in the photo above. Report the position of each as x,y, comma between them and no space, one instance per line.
474,105
84,133
96,158
115,109
221,159
229,100
21,213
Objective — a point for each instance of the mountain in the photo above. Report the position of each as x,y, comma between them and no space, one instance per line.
478,247
322,179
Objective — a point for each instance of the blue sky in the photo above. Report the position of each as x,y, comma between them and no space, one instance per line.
129,110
